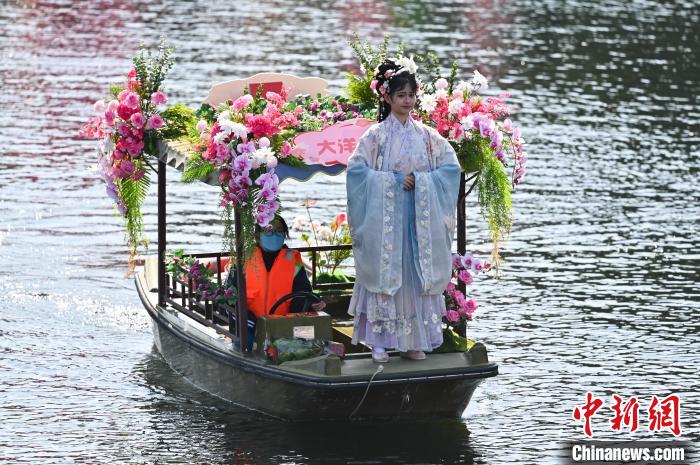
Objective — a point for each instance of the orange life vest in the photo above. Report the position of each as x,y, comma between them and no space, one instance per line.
264,288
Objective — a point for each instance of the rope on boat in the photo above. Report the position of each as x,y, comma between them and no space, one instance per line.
380,368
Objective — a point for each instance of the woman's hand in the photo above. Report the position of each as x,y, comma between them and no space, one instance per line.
409,182
318,305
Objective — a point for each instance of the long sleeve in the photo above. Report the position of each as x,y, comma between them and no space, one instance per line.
301,284
373,215
436,204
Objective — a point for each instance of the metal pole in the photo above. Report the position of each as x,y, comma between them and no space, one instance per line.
240,279
462,223
162,288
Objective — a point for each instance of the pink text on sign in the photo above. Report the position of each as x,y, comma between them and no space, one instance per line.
332,145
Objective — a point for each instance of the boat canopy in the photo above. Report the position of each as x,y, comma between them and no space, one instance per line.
175,154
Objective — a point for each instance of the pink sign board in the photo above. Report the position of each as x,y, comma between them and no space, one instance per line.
334,144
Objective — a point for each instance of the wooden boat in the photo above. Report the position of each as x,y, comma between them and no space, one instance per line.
199,340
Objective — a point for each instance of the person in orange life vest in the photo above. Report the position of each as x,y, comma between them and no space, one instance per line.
273,271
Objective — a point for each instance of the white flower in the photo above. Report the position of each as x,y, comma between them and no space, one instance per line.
300,223
407,63
441,83
99,107
428,102
228,127
479,80
324,232
441,93
224,116
220,136
467,122
461,86
265,156
454,106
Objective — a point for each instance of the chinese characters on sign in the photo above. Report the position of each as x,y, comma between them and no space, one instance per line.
662,414
334,144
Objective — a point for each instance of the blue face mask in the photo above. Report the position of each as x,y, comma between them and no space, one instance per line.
271,241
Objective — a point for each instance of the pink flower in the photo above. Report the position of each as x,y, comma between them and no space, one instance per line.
275,98
457,261
125,112
131,100
441,83
123,129
99,106
260,126
373,85
158,98
486,126
155,122
472,305
508,125
264,141
241,102
285,150
137,120
109,118
466,277
496,139
467,261
202,125
450,287
452,316
112,106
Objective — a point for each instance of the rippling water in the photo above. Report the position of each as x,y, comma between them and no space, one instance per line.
600,290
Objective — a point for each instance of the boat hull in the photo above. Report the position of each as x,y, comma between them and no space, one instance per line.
304,401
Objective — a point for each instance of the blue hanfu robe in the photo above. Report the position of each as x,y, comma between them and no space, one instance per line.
402,240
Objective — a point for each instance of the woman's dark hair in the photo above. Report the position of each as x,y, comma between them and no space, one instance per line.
280,220
396,82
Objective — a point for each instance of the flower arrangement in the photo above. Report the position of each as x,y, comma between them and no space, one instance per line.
460,309
202,276
317,234
244,140
128,124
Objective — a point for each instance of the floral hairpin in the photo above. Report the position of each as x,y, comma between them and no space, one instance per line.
402,64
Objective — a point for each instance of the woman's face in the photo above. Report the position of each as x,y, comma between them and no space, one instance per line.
402,101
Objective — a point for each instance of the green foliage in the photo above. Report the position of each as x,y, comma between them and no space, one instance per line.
114,90
334,278
152,69
248,236
207,113
133,193
197,169
359,92
494,193
203,278
178,121
453,342
357,89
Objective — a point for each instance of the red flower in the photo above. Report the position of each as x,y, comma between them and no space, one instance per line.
260,126
125,112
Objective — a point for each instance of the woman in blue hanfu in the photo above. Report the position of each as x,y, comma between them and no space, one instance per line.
402,188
